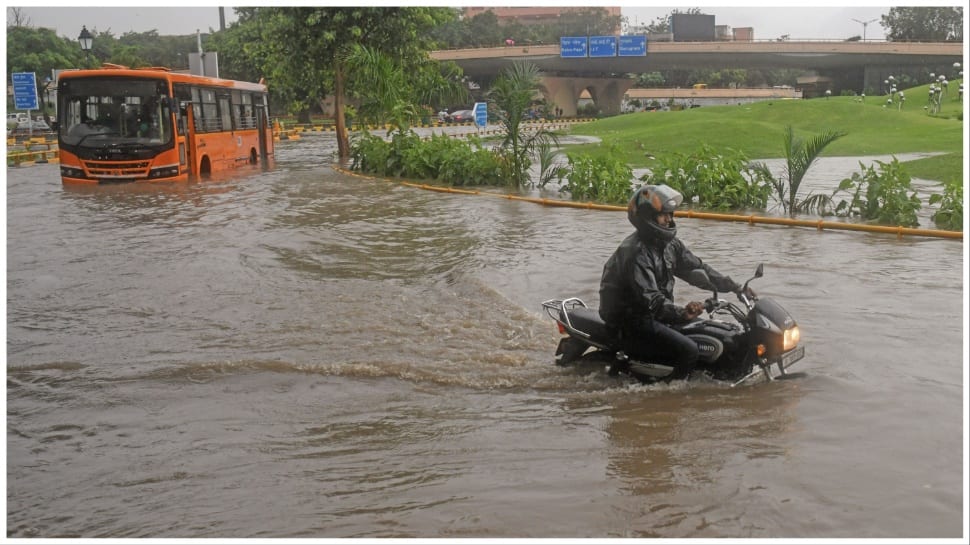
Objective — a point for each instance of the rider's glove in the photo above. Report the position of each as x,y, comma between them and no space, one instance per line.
693,310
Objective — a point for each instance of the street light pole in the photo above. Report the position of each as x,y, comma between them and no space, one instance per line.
86,39
864,25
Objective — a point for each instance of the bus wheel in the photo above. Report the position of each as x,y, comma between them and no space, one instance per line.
205,169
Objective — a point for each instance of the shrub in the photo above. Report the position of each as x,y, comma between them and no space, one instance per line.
602,179
880,196
712,180
950,214
441,158
370,154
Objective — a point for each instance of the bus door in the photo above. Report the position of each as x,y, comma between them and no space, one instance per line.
189,141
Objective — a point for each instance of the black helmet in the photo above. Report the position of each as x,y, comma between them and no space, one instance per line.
646,203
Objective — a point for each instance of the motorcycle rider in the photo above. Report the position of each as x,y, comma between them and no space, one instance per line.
637,287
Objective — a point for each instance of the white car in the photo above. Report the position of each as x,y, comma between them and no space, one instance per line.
14,119
25,126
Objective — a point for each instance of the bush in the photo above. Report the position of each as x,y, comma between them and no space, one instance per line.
370,154
441,158
950,214
602,179
712,180
880,196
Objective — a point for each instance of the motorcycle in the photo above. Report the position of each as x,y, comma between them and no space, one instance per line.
736,343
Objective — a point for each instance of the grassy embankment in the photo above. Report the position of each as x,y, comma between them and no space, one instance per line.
757,130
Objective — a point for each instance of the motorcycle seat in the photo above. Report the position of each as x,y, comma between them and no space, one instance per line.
588,321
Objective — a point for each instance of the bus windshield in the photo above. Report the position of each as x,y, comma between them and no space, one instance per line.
112,111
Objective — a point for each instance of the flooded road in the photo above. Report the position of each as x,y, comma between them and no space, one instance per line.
306,354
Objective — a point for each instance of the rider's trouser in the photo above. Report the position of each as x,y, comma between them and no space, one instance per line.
658,343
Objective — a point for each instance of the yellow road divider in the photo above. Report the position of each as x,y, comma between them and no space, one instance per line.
820,225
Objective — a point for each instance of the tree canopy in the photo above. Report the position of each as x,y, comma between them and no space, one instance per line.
485,30
928,24
301,50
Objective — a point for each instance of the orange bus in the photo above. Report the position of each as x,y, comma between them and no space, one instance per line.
118,125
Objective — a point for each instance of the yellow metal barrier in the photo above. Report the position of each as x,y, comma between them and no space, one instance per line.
750,219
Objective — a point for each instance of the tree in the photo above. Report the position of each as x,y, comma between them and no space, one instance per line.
17,18
650,79
300,48
391,94
592,21
39,50
928,24
513,93
484,30
661,25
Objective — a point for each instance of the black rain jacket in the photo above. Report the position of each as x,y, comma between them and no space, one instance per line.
638,282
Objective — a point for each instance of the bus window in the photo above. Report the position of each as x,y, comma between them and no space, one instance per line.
225,113
210,111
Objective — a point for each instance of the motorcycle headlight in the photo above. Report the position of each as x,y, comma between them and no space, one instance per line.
791,338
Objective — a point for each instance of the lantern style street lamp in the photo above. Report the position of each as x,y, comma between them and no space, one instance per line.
86,39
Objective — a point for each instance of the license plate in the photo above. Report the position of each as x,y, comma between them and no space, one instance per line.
788,358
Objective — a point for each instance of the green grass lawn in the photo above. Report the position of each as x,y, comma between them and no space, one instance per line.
757,130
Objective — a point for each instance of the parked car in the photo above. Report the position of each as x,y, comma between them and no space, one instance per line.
13,119
41,125
25,126
462,116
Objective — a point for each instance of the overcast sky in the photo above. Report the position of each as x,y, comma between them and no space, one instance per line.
818,21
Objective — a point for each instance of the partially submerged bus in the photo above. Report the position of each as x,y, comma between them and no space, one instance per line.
118,125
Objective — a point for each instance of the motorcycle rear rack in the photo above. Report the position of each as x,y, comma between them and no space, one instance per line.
556,308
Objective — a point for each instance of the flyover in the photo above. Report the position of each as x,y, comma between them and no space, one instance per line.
606,77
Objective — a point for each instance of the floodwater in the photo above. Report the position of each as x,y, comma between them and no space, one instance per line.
306,354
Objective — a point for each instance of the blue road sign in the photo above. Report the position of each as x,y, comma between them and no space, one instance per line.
24,90
602,46
481,114
572,47
633,46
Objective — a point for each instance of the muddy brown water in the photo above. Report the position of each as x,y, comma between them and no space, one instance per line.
305,354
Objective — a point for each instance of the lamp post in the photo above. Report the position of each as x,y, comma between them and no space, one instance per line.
47,99
864,25
86,39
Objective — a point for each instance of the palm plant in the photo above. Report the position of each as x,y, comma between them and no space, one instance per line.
391,93
512,93
800,155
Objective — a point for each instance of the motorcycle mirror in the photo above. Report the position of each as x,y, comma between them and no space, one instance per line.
699,278
758,273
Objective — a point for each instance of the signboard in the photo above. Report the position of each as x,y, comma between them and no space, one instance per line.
572,47
692,27
602,46
205,64
481,114
633,46
24,90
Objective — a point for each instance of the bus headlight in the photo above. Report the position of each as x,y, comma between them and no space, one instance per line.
791,338
164,172
72,172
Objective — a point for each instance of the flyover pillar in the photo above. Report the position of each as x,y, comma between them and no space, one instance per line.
564,92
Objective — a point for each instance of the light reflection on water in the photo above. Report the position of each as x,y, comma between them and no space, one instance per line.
300,353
